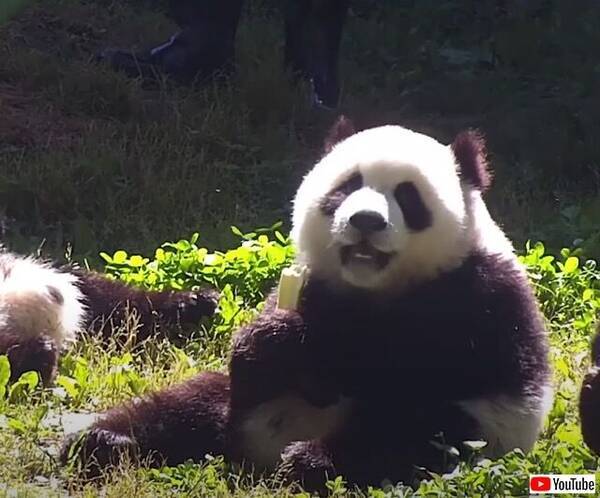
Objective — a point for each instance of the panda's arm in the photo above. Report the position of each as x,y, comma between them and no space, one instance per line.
268,355
273,355
109,300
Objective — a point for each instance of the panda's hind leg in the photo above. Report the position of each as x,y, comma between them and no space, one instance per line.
360,460
313,463
186,421
108,302
373,446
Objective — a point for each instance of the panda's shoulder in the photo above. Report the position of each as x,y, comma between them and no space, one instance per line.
484,285
482,272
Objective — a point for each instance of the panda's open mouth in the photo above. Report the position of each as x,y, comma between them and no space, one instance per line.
364,253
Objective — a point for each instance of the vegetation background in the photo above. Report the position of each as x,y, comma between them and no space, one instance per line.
91,161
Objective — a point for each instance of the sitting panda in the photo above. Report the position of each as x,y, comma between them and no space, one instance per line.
43,307
416,326
589,399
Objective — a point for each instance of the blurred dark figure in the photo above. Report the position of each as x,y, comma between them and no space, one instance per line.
205,46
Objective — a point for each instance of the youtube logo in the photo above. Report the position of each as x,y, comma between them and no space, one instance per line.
540,484
574,484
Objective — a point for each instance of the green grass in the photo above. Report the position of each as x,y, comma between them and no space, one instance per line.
94,376
90,161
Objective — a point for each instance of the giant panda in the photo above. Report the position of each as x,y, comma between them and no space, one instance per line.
589,399
43,307
416,329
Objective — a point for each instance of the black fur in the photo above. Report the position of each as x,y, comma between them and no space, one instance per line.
405,359
187,421
341,129
416,214
108,303
589,400
470,152
333,200
38,354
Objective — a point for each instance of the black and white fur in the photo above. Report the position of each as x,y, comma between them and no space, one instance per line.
589,398
416,322
43,308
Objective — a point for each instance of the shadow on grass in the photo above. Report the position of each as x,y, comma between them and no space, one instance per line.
92,159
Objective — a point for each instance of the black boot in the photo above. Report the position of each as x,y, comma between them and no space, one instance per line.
313,30
204,47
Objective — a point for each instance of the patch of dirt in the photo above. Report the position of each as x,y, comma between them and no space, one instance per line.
28,121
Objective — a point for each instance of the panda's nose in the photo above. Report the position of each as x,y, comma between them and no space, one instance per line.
368,221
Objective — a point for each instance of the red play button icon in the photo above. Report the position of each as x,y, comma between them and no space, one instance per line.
539,484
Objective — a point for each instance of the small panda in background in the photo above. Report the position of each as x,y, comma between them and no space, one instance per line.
589,399
416,321
42,308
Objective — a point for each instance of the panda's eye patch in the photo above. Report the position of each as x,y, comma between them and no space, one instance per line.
333,200
416,215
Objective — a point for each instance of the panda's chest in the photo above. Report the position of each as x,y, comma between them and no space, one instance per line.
384,329
362,346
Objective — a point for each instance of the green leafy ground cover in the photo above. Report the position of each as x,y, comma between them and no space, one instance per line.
93,377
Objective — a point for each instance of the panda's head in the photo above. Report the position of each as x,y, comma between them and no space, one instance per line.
388,207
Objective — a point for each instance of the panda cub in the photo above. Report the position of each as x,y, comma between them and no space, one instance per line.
589,399
42,308
416,326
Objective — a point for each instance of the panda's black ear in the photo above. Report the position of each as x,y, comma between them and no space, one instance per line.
341,129
470,152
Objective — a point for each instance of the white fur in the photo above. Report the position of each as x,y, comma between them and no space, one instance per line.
485,233
28,300
461,223
273,425
385,157
508,423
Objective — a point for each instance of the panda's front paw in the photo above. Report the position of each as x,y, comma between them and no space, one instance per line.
307,463
94,450
39,354
190,307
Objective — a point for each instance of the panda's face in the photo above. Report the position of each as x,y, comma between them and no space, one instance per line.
384,208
